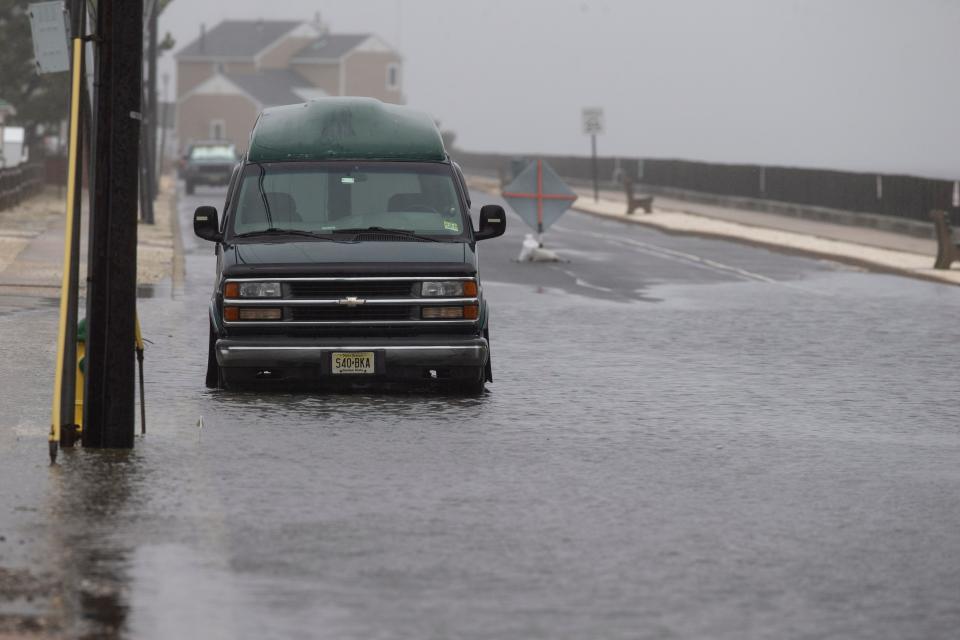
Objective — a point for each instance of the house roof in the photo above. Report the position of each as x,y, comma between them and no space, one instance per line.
332,46
238,38
273,87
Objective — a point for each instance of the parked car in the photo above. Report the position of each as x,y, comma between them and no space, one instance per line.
346,252
208,163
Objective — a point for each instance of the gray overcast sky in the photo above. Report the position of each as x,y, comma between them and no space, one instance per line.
850,84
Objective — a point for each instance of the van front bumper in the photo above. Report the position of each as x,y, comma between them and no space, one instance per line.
393,354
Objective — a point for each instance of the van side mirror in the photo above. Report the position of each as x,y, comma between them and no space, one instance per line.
493,222
206,225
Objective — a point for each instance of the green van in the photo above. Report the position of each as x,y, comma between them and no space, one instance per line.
346,253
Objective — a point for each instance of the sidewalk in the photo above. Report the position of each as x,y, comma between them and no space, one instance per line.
32,236
871,248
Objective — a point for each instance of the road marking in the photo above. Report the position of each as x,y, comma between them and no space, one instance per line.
580,282
697,260
689,259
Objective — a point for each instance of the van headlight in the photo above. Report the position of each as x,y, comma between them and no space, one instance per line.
449,289
252,290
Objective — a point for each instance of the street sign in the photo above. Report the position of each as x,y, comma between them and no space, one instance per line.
594,122
48,24
539,195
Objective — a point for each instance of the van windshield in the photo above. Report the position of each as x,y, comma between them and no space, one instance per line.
327,198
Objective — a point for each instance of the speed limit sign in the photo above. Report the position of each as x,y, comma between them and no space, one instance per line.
593,121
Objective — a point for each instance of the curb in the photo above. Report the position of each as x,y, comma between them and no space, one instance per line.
179,265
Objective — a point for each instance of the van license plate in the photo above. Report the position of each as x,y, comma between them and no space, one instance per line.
359,362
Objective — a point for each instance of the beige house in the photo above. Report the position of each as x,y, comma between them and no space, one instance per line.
231,73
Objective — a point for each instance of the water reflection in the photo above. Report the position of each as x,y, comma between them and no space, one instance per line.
394,404
91,493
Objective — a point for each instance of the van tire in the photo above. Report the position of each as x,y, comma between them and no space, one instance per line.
474,384
214,373
488,369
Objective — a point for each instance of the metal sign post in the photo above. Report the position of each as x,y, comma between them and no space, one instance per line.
63,410
53,54
594,124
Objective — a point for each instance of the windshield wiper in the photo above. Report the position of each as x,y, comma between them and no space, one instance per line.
263,195
273,231
404,233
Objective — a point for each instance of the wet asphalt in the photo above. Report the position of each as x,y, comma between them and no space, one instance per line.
686,438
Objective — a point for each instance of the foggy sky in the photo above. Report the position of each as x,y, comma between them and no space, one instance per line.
867,85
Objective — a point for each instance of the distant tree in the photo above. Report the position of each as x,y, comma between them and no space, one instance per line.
39,99
167,43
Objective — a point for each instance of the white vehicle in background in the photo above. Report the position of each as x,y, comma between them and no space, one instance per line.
12,150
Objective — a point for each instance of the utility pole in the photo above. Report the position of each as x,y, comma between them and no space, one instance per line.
150,112
161,157
111,294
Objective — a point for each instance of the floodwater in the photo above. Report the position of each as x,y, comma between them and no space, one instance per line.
686,438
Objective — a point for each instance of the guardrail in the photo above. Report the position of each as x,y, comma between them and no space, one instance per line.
897,196
20,182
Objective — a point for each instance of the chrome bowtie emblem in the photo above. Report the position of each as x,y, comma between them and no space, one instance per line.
352,301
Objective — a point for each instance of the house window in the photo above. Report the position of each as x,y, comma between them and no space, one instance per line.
218,130
393,76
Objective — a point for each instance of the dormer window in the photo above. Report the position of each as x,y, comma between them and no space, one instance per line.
393,76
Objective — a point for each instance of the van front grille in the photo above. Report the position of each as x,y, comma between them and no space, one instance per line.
330,290
352,314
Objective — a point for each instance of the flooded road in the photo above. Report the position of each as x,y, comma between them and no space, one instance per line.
686,438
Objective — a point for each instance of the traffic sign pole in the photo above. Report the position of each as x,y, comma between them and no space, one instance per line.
596,188
69,420
540,202
593,124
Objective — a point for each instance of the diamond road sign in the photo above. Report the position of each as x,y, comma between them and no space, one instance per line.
48,25
539,195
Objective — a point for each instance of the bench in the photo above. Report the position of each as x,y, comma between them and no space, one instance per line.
948,250
635,201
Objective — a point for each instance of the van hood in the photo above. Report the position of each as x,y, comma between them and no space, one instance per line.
310,258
